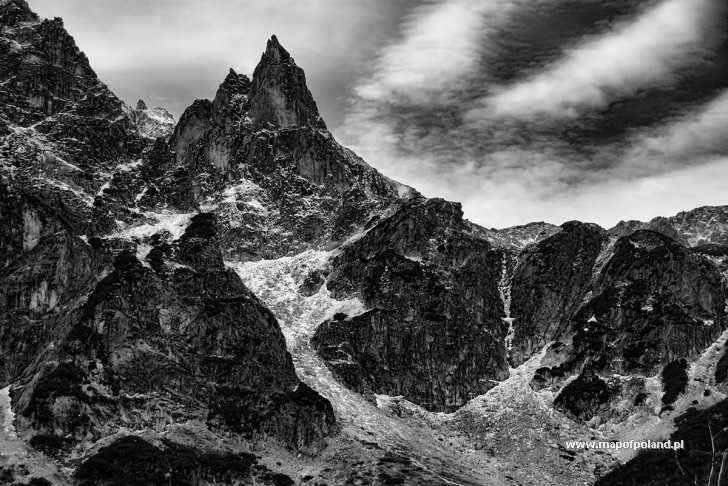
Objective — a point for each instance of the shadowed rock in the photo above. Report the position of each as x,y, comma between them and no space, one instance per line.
279,93
433,332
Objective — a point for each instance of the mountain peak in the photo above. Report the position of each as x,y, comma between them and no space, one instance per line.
14,11
235,83
230,89
275,51
44,72
279,94
140,105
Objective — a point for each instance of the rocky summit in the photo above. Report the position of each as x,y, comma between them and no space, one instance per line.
236,298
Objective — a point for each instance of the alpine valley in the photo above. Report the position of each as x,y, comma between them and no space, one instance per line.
235,298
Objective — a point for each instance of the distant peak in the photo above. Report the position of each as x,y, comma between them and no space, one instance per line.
140,105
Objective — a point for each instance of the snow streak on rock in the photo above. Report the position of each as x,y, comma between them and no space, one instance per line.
174,223
504,289
6,412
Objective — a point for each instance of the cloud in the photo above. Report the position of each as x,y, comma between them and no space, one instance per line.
649,51
701,132
438,46
506,196
430,127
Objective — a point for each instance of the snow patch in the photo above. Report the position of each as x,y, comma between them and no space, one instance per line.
256,204
403,191
245,188
129,166
32,227
511,332
43,298
105,186
277,283
174,223
142,250
139,196
6,412
504,290
153,123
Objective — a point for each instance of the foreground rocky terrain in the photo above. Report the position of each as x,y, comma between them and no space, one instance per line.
235,298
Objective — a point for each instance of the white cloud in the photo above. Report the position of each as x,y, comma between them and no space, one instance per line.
503,170
644,53
438,48
701,132
516,186
503,198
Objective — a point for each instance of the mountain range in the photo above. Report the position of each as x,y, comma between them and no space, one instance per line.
236,298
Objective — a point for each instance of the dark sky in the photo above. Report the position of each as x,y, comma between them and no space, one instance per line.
523,110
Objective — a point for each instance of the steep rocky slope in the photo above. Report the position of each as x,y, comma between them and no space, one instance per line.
549,283
433,331
111,325
236,298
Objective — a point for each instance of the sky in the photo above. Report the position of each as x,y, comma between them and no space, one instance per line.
523,110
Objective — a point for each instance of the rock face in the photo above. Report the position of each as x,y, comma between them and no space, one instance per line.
641,304
206,349
279,94
584,397
549,283
655,301
433,332
113,318
43,72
